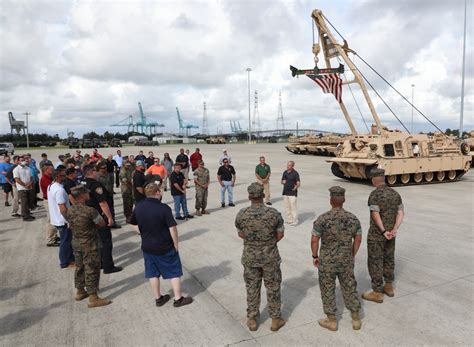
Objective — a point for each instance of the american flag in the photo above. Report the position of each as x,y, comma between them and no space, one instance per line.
331,83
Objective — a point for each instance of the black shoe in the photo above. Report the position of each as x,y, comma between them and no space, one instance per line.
116,226
57,239
29,219
179,218
112,270
166,189
222,205
6,203
189,216
16,215
162,300
53,243
39,199
182,301
269,203
231,204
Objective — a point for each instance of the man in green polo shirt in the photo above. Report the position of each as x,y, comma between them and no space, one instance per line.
263,173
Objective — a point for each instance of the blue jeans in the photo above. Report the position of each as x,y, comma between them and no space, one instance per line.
180,201
230,190
66,255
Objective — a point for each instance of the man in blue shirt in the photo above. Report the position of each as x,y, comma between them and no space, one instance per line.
157,228
6,187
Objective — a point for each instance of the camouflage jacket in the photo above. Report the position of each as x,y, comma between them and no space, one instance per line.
82,221
259,225
387,202
336,229
201,175
104,179
126,181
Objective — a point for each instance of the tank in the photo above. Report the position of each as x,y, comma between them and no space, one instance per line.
216,140
316,145
406,158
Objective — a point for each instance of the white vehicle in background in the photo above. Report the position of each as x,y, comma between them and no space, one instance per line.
6,148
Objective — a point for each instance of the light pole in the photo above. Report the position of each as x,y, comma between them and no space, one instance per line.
248,78
27,131
412,96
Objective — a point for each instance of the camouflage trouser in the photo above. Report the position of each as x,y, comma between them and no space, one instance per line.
127,204
381,262
348,283
271,275
201,198
87,270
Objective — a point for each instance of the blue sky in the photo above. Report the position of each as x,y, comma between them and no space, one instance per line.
84,65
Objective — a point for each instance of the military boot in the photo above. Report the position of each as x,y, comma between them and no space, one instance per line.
277,323
329,323
388,289
373,296
96,301
81,294
198,212
252,324
356,323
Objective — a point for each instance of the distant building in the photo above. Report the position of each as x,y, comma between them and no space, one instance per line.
133,139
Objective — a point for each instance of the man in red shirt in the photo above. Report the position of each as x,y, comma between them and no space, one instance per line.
195,158
45,181
95,157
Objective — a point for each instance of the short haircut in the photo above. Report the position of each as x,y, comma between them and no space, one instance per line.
151,189
262,157
87,169
61,167
78,190
46,167
181,166
43,155
70,170
15,157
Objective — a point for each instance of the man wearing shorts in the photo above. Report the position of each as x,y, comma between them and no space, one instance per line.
157,228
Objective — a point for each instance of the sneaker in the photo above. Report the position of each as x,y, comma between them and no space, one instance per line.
16,215
189,216
182,301
6,203
179,218
162,300
53,243
231,204
222,205
112,270
269,203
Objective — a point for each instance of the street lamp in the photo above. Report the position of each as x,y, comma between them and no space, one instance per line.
248,78
412,95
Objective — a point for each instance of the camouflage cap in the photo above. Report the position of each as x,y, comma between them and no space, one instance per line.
139,163
78,190
337,191
377,173
255,190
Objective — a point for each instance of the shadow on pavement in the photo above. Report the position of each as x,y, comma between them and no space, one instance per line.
10,292
191,234
205,276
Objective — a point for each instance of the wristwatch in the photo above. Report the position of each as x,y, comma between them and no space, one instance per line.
315,257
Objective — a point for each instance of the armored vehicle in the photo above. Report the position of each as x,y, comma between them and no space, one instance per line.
324,145
216,140
407,158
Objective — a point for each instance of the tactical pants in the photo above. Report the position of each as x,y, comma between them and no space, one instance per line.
24,196
106,251
266,189
87,270
348,284
271,275
381,263
201,198
117,177
127,205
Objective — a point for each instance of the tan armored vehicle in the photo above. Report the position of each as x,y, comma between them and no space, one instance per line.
316,145
216,140
407,158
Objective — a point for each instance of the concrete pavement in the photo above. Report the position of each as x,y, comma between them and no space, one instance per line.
434,271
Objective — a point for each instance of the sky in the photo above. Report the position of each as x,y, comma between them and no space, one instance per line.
83,66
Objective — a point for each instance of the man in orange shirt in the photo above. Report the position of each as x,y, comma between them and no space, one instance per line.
158,169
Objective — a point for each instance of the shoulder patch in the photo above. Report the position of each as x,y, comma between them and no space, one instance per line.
99,190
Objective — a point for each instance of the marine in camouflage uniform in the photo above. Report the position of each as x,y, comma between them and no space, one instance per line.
201,180
381,249
84,222
261,227
340,233
126,188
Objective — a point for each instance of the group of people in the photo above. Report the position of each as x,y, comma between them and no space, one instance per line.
78,194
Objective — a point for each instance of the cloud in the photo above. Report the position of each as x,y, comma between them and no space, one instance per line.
85,65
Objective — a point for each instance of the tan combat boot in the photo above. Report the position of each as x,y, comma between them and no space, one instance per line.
373,296
96,301
356,323
81,294
329,323
388,289
277,323
198,212
252,324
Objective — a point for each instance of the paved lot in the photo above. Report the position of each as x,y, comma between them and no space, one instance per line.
434,272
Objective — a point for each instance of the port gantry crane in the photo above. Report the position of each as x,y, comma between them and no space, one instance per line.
184,128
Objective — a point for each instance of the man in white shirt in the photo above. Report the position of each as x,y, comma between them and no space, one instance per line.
225,156
58,203
119,160
24,185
